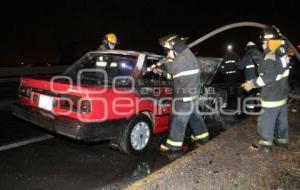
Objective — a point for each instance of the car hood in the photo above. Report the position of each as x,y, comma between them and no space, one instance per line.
208,68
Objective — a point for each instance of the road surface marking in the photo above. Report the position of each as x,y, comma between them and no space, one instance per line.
25,142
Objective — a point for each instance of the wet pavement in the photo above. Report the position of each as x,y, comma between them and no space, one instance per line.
61,163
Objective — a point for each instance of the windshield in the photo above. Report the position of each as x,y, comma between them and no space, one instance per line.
94,65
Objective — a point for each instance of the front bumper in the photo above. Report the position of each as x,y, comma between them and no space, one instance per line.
70,127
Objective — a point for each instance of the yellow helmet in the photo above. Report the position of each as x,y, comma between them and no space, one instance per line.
111,38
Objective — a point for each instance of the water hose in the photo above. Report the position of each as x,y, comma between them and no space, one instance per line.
231,26
237,25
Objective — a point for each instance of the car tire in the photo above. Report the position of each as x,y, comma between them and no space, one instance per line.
137,136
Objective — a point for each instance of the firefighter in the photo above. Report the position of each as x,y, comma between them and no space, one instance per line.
109,41
273,81
249,64
250,61
184,72
230,73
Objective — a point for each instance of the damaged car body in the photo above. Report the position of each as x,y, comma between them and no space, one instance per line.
106,95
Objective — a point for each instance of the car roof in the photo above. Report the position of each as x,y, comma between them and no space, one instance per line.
127,52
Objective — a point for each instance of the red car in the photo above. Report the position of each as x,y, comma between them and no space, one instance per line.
105,95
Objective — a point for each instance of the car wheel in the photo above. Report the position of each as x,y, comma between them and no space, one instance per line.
137,135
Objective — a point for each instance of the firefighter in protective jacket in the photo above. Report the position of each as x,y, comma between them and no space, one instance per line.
109,41
273,81
250,62
230,73
184,72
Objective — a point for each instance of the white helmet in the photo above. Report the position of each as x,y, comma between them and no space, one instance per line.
251,44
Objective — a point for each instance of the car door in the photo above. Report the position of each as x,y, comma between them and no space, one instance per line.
160,89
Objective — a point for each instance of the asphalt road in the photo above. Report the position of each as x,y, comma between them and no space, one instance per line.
32,158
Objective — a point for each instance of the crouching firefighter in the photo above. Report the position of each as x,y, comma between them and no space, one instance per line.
185,74
273,81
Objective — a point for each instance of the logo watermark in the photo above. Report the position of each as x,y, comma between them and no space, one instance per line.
121,97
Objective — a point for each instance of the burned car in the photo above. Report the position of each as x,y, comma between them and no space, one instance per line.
105,95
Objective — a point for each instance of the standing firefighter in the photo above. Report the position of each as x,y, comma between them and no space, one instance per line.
250,63
230,74
186,77
273,81
109,42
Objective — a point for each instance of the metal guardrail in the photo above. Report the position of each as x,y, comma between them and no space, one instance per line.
30,70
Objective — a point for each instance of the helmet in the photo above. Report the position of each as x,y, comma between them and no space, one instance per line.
170,41
250,44
271,33
111,38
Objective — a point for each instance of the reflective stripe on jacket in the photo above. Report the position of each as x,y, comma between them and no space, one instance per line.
273,78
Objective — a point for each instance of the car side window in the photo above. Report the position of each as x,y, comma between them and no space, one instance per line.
152,79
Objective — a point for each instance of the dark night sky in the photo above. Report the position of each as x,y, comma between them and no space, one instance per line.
39,31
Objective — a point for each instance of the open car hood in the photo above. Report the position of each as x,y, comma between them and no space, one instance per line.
208,68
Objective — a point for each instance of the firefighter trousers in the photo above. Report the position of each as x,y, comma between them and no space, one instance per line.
273,126
186,113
